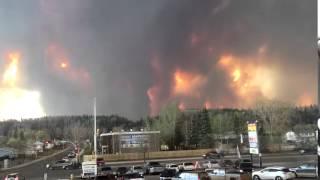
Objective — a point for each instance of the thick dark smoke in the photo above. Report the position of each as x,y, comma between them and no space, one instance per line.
128,47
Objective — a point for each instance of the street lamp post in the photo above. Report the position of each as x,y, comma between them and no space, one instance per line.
95,133
318,123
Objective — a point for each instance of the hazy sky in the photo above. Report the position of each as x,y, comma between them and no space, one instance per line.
136,56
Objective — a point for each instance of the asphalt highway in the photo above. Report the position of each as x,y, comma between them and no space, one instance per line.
36,171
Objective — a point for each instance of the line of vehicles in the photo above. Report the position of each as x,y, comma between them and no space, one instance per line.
68,162
185,170
212,165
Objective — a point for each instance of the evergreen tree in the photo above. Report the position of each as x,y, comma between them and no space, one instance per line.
194,135
204,129
15,133
21,135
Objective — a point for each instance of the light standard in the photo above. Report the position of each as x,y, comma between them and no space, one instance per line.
95,135
318,124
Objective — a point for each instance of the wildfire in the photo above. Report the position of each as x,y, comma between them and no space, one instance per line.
153,94
208,105
305,100
10,73
16,102
60,63
248,80
63,65
187,84
236,75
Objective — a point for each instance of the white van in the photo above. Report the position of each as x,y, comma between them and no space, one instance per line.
89,169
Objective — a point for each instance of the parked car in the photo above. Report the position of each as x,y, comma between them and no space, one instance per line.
153,168
172,166
71,155
213,155
61,164
244,164
308,170
133,176
186,166
216,172
304,151
137,169
121,171
192,176
168,174
105,170
67,159
14,176
226,163
104,177
211,164
277,173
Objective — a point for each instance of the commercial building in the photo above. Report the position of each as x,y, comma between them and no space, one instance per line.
130,142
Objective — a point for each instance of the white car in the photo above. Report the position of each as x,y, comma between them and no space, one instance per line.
211,164
172,166
137,169
276,173
186,166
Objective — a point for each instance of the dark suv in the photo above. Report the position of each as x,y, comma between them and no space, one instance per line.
244,164
213,155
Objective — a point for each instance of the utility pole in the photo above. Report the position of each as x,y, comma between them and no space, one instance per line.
95,128
318,123
95,135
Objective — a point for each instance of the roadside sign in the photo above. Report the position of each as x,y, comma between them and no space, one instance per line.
253,138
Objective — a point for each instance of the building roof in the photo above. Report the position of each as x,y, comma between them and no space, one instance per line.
130,133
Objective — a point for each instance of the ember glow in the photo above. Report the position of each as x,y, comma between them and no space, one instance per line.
248,79
153,100
187,83
11,71
305,100
60,64
64,65
17,102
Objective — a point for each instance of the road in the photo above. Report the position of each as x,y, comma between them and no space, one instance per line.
36,171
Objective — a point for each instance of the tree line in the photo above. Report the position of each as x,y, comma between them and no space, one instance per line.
187,129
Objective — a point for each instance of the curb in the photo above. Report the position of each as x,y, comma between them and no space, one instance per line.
35,161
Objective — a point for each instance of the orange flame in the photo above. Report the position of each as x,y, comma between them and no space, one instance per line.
305,100
16,102
208,105
248,80
236,75
63,65
187,84
60,63
10,74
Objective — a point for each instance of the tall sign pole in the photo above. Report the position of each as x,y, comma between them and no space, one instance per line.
318,123
95,128
95,135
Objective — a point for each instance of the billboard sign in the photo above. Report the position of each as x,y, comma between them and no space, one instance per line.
134,140
253,138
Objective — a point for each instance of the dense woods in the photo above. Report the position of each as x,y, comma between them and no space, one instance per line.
188,129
